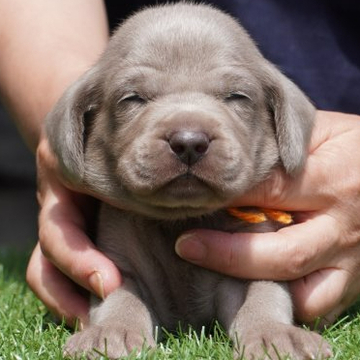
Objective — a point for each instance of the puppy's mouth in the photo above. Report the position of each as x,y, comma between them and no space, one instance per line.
186,186
185,191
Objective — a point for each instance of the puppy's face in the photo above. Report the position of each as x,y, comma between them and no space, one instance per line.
183,143
180,115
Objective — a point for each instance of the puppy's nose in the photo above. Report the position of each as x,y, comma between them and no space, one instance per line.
189,146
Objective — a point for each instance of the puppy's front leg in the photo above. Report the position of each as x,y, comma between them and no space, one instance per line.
263,327
118,325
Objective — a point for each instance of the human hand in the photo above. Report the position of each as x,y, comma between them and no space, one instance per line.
65,261
320,254
55,58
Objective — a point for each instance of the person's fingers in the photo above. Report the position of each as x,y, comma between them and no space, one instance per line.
64,242
62,231
283,255
280,191
308,255
319,254
60,295
325,293
320,294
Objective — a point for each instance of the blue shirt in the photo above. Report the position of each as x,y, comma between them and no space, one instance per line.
316,43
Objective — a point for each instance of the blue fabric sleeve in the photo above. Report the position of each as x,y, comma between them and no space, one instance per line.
314,42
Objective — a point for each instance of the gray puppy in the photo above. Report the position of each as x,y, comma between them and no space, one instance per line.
180,115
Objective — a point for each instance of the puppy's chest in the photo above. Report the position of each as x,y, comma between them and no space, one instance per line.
143,249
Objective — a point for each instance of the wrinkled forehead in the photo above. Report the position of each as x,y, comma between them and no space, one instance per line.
152,82
182,50
183,38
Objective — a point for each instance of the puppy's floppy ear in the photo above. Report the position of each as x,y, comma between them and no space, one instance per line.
66,125
293,116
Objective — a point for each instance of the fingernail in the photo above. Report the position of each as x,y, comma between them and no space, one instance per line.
79,325
190,248
97,284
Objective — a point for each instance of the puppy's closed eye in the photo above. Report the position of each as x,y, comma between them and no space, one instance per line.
133,98
237,96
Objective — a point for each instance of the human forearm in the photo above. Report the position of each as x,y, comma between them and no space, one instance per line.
45,45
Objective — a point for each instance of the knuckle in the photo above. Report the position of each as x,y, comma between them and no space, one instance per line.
30,279
78,270
32,273
233,263
297,263
275,188
307,313
45,242
40,196
42,151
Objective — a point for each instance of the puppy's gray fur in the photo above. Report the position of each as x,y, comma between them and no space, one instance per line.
180,115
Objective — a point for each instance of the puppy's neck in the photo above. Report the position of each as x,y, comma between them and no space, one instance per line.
231,220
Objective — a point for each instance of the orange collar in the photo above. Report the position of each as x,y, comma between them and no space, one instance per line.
262,215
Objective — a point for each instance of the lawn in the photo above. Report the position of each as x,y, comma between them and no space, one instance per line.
27,331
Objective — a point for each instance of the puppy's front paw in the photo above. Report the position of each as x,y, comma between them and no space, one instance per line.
113,341
281,340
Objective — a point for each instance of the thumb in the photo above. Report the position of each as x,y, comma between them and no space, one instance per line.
281,191
274,192
308,190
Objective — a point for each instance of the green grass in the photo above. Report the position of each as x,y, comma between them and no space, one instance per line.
28,333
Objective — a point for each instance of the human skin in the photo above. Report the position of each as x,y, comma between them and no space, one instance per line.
45,46
318,255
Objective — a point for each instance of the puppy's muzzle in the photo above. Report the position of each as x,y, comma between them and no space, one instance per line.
189,146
